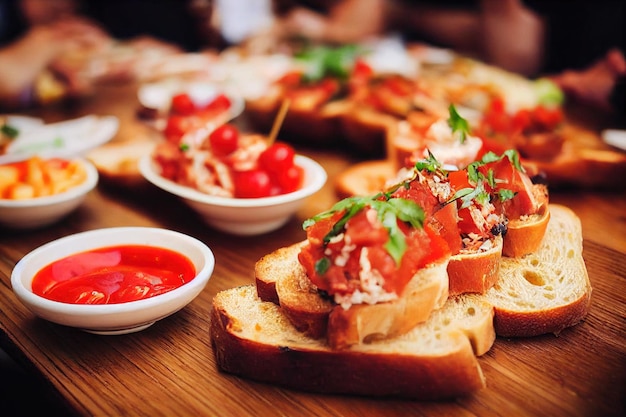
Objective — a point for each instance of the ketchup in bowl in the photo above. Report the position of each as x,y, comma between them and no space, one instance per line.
113,275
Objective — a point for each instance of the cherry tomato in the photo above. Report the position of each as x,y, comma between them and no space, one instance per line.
176,127
291,179
220,103
252,184
277,158
183,104
224,140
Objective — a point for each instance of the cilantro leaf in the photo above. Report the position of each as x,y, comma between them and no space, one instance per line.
9,131
389,211
458,124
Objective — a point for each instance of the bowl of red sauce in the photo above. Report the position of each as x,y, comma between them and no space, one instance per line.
115,280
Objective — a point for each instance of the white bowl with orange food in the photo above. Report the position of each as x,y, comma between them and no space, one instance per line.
37,192
114,280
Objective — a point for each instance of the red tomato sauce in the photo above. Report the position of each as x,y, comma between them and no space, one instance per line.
113,275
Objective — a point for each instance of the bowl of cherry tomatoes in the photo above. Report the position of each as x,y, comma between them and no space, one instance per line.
238,183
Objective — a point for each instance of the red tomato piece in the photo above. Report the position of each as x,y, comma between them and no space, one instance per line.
220,103
224,140
277,158
176,127
290,180
182,104
548,118
255,183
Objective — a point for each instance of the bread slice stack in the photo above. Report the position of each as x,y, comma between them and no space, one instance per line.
543,292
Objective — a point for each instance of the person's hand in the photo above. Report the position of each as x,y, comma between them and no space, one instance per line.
594,85
70,44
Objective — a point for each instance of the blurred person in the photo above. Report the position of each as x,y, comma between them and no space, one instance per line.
579,44
35,35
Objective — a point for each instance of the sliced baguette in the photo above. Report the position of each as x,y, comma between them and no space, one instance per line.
435,360
524,236
317,316
475,272
545,291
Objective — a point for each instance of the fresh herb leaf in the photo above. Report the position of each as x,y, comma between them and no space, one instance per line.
389,211
458,124
513,156
429,164
322,265
324,61
504,194
9,131
469,194
184,147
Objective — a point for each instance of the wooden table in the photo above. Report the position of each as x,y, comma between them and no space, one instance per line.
169,369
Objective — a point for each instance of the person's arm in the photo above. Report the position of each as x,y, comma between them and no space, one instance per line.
23,60
347,22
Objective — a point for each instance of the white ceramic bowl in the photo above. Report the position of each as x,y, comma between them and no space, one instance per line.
42,211
119,318
242,216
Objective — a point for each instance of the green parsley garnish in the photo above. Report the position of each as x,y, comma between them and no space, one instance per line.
324,61
183,147
389,209
458,124
430,164
9,131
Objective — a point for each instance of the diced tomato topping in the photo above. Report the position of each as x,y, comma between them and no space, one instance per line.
420,194
424,246
291,79
508,177
445,223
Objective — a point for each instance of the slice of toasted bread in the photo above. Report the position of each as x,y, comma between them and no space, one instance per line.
524,236
475,272
548,290
118,162
361,323
317,316
435,360
365,178
270,267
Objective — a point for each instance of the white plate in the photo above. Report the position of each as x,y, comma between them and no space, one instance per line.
67,139
158,95
615,138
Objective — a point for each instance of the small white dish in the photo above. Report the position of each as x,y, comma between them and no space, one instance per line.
66,139
42,211
615,138
113,319
158,95
242,216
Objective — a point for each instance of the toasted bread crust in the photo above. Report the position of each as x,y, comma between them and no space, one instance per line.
510,323
318,317
525,236
301,302
271,267
362,323
259,344
365,178
548,290
475,272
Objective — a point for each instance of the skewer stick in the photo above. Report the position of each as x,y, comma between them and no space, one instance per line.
278,122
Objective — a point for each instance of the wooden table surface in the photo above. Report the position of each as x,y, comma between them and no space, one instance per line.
169,368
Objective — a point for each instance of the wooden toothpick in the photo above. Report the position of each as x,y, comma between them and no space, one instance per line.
278,122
